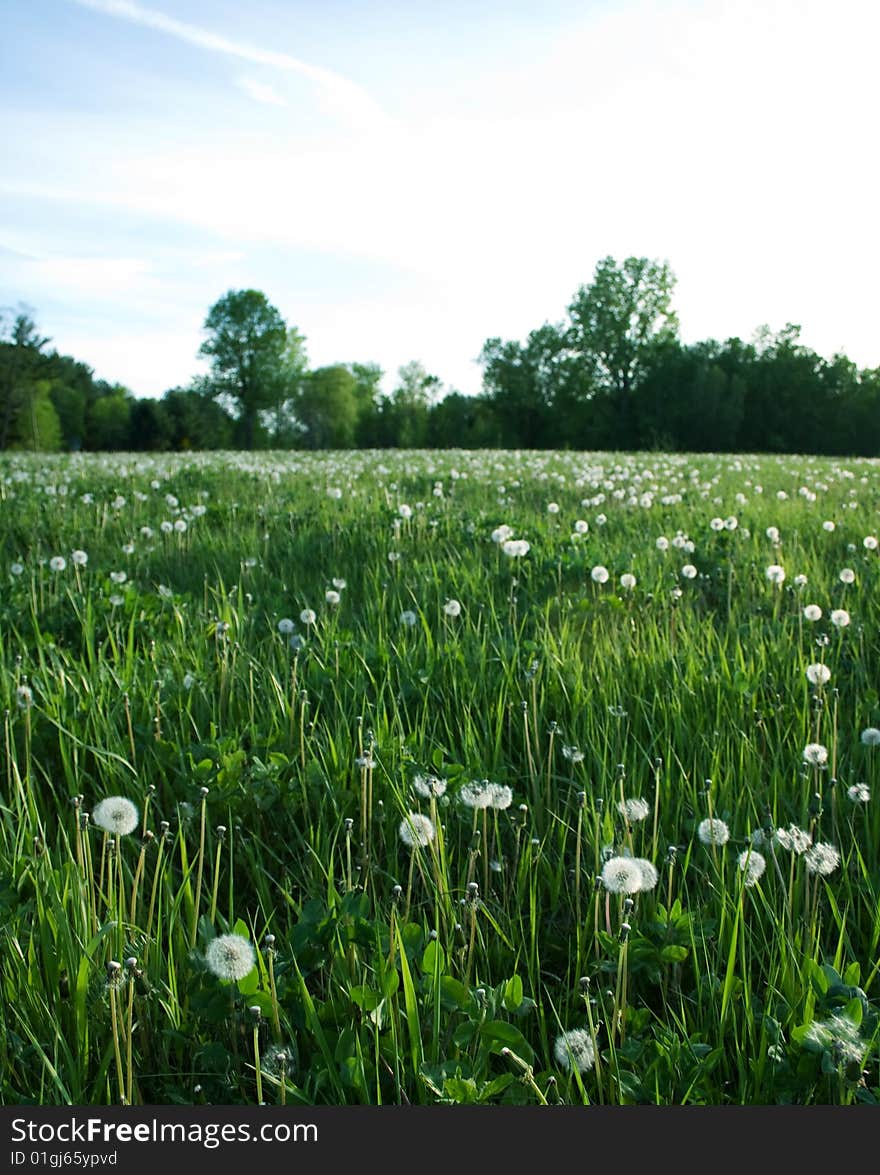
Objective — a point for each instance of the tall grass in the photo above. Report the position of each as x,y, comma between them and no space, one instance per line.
322,787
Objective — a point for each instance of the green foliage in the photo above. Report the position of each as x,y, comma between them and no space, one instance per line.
254,357
446,972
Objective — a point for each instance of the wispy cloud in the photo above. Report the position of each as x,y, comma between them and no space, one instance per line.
260,92
343,97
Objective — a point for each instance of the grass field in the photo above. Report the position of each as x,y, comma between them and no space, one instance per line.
320,786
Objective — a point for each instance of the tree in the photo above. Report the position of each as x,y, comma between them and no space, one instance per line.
107,420
36,425
615,322
537,389
327,408
195,421
248,346
19,363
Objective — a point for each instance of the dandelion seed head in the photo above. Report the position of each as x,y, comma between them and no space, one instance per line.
713,831
621,875
793,839
634,810
822,858
812,612
416,830
116,814
230,956
815,755
428,786
775,573
476,794
574,1051
818,674
516,548
501,796
648,872
870,737
752,865
859,793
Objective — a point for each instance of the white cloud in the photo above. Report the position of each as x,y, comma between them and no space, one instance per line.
259,91
343,97
728,139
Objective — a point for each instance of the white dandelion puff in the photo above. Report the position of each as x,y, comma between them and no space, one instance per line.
416,830
621,875
230,956
648,873
815,755
635,810
818,674
775,573
793,839
116,814
574,1050
821,859
476,794
859,793
516,548
712,831
752,866
428,786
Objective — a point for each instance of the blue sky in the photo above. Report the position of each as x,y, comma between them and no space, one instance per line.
405,180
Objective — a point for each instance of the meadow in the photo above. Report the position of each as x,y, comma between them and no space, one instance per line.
418,778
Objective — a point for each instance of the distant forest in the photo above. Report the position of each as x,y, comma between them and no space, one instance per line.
613,374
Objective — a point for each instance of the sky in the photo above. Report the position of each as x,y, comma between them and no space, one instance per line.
404,179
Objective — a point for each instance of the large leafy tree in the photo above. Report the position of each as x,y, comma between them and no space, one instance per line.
616,323
327,408
21,353
248,345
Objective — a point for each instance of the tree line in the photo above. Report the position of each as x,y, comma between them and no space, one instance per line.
613,374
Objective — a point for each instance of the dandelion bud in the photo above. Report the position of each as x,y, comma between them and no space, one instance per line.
255,1011
269,942
221,831
625,928
203,791
113,968
396,893
628,905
